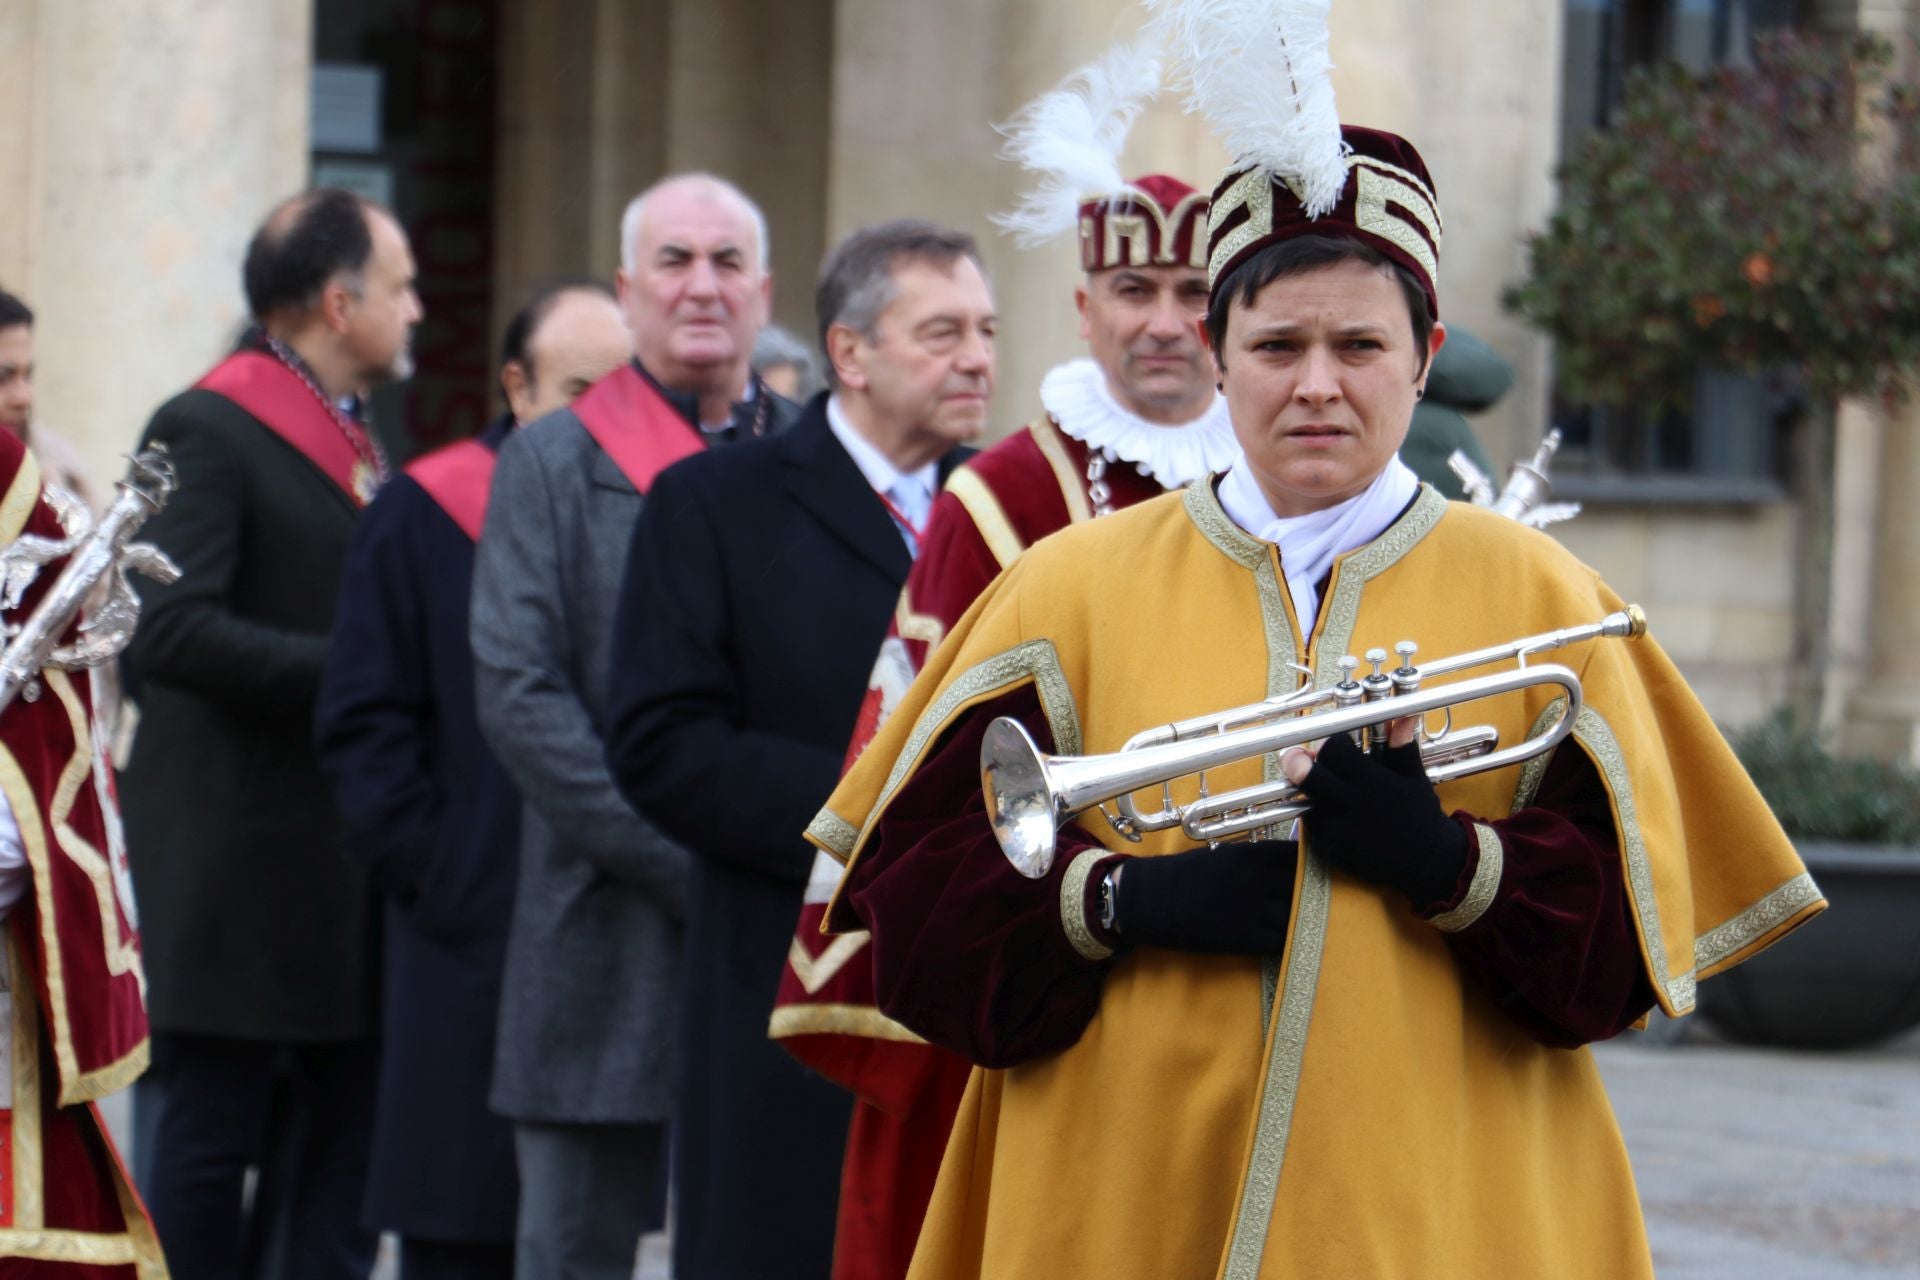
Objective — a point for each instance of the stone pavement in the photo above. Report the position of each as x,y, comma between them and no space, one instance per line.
1753,1164
1758,1164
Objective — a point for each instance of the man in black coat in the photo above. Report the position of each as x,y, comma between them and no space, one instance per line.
258,934
760,583
432,816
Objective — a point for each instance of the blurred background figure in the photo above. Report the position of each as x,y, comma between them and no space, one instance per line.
70,979
1468,376
259,934
760,582
786,364
430,814
587,1048
59,463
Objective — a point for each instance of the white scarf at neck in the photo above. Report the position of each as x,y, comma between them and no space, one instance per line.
1310,544
1077,397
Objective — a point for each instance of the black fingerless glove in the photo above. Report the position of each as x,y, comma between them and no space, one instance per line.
1234,899
1378,818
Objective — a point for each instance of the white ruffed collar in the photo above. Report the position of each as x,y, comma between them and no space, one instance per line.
1077,397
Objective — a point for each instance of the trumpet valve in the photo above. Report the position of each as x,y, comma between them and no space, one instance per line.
1377,683
1406,676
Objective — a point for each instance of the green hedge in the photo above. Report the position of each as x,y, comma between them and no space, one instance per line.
1824,797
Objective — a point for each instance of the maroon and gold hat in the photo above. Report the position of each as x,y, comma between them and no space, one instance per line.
1387,202
1157,222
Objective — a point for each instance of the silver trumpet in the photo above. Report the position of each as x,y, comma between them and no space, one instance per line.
96,553
1030,795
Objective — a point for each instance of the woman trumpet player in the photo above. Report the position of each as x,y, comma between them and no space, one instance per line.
1359,1054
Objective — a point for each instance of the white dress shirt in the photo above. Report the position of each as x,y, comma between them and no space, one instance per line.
910,492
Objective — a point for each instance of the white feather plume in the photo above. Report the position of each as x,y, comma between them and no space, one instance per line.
1072,138
1259,71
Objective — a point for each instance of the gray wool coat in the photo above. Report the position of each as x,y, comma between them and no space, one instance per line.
593,960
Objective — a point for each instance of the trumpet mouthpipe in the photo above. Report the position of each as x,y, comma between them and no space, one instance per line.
1629,623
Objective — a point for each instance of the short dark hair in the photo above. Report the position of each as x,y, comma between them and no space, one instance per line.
527,320
13,311
302,245
856,280
1298,256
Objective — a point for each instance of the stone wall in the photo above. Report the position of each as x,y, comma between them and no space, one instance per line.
145,139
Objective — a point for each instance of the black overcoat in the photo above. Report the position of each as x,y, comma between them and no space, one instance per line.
757,592
252,923
435,821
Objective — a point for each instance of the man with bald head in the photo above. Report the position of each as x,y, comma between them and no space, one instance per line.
257,935
431,815
587,1048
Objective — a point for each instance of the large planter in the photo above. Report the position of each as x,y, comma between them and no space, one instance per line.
1849,977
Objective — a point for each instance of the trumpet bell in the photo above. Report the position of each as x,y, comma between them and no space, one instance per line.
1020,797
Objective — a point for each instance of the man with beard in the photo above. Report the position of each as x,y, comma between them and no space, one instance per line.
432,816
259,935
587,1048
1138,416
760,581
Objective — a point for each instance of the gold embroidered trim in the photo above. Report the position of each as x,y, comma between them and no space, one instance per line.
984,509
1591,730
833,833
1035,660
29,1160
1535,769
924,627
1372,191
1352,572
123,953
1253,191
1073,905
17,507
816,972
120,953
1279,1091
1307,940
85,1247
1481,889
1722,945
1132,228
1412,179
1235,543
1072,484
837,1020
1170,231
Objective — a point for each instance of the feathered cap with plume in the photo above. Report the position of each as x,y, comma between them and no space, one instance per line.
1259,72
1072,138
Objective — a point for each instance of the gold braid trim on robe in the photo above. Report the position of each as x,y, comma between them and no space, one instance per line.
1359,1108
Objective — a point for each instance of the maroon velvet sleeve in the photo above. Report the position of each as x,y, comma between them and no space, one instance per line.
1557,948
967,952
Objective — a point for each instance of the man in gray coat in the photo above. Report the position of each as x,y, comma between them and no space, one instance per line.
586,1059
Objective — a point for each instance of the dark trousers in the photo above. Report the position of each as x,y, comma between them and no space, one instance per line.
208,1108
455,1259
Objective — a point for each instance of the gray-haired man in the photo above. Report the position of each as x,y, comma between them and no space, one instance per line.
586,1059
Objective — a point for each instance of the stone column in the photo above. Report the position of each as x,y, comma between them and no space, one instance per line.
749,98
582,107
145,139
